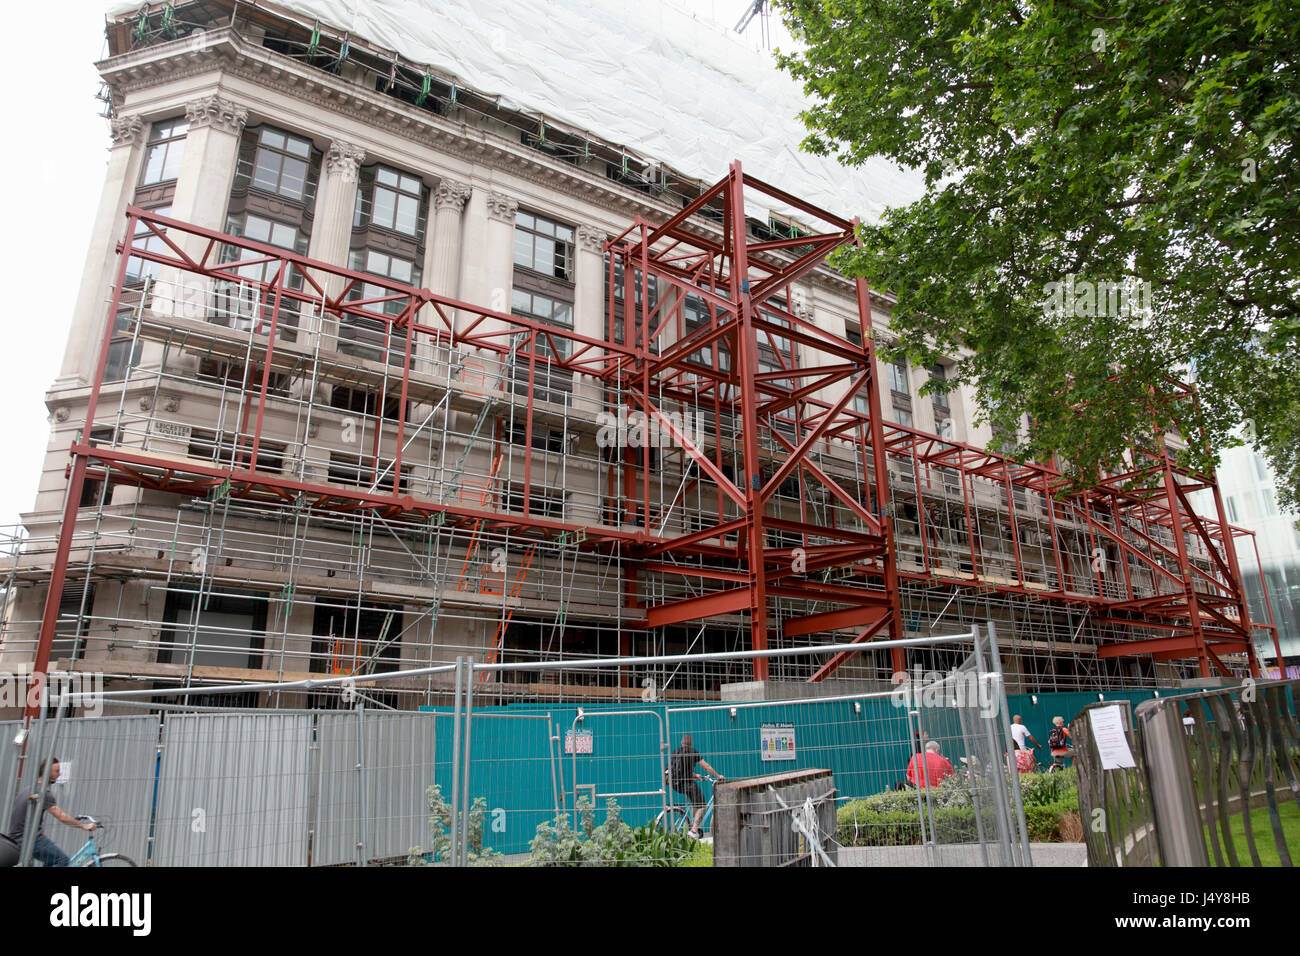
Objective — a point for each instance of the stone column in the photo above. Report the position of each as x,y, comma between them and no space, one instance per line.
85,335
588,306
442,255
202,198
336,200
208,167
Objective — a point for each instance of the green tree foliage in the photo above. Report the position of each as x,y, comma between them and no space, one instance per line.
1138,141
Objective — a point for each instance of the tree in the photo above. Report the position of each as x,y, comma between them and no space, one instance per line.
1111,203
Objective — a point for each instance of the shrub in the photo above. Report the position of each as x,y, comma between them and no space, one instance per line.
440,825
613,843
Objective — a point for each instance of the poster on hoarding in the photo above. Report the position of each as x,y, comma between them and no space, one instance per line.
776,741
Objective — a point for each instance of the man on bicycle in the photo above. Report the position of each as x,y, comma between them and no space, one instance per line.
45,850
682,777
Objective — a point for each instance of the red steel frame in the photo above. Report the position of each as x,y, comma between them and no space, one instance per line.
741,283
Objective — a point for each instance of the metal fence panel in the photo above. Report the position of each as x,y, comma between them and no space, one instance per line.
371,800
106,770
233,790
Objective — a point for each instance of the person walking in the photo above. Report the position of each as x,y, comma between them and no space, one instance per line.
1020,733
929,769
1058,742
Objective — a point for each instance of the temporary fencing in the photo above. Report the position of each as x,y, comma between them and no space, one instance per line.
552,783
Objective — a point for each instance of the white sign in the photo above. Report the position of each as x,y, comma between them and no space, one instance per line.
776,741
1108,734
579,743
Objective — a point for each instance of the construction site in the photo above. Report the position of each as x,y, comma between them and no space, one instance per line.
372,370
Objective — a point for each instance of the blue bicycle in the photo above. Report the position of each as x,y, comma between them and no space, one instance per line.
89,854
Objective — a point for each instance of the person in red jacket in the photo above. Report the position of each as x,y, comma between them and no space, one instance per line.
930,768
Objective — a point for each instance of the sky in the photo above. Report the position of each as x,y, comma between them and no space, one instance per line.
54,171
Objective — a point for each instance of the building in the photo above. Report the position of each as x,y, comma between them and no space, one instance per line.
1247,485
378,382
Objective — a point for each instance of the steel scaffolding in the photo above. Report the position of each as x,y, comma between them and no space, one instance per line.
307,470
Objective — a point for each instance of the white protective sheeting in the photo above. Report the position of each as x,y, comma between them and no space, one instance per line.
641,74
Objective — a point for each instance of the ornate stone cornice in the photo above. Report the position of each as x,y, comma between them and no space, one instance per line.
126,130
450,194
344,159
217,112
224,50
591,238
501,207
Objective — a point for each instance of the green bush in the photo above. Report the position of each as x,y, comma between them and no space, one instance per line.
613,843
891,819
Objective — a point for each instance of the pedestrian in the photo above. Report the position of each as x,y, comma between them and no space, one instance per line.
929,769
1020,733
1058,742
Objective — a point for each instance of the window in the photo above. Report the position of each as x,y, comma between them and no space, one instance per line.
542,502
393,200
365,401
93,489
544,438
348,640
862,400
373,338
544,309
543,245
940,399
359,470
145,238
898,378
249,300
71,628
902,416
163,152
1232,508
225,630
1260,471
281,164
123,350
1269,502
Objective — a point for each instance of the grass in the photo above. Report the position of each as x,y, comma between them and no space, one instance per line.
1263,832
702,855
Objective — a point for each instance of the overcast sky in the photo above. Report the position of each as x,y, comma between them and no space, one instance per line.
54,173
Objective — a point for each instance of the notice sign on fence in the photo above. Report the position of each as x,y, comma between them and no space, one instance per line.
1108,735
577,743
777,741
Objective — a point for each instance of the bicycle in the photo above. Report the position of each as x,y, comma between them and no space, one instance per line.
680,817
89,854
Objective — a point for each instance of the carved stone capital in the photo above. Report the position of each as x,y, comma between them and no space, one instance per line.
450,195
126,130
344,159
217,112
591,239
501,207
